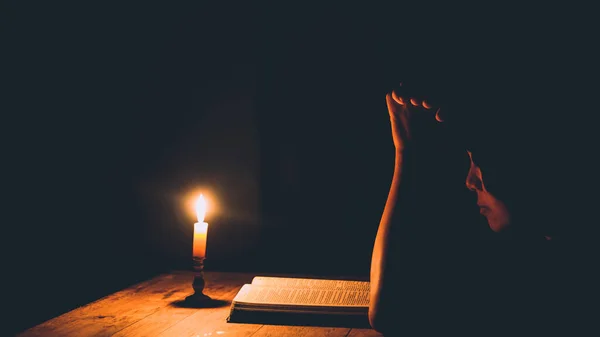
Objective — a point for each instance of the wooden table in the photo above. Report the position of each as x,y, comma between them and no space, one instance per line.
151,308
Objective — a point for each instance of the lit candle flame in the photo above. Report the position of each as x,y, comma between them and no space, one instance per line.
201,208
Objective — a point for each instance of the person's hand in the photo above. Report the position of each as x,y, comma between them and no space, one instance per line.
403,109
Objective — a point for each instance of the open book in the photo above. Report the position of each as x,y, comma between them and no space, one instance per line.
302,301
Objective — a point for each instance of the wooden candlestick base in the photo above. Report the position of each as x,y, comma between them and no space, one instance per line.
198,297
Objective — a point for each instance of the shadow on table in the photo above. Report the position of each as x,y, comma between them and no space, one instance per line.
212,303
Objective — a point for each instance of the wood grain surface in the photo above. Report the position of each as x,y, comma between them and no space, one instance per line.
154,308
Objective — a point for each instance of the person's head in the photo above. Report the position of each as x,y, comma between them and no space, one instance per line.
513,117
509,173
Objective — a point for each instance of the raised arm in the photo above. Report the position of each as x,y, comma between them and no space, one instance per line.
384,277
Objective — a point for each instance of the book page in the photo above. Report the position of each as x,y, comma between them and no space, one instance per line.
302,296
287,282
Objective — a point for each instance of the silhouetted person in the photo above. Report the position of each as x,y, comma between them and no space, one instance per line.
519,283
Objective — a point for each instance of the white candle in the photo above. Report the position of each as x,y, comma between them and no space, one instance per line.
200,229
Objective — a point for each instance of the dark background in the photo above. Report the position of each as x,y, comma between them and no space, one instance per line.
114,113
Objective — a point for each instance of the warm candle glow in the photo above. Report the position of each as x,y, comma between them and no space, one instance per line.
201,208
190,202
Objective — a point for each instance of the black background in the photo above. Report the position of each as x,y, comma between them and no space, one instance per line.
113,112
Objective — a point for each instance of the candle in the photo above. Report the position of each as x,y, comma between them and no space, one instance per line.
199,254
200,229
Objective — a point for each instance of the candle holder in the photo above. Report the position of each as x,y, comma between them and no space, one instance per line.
198,297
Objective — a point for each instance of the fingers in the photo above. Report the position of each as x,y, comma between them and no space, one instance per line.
438,116
413,102
398,100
